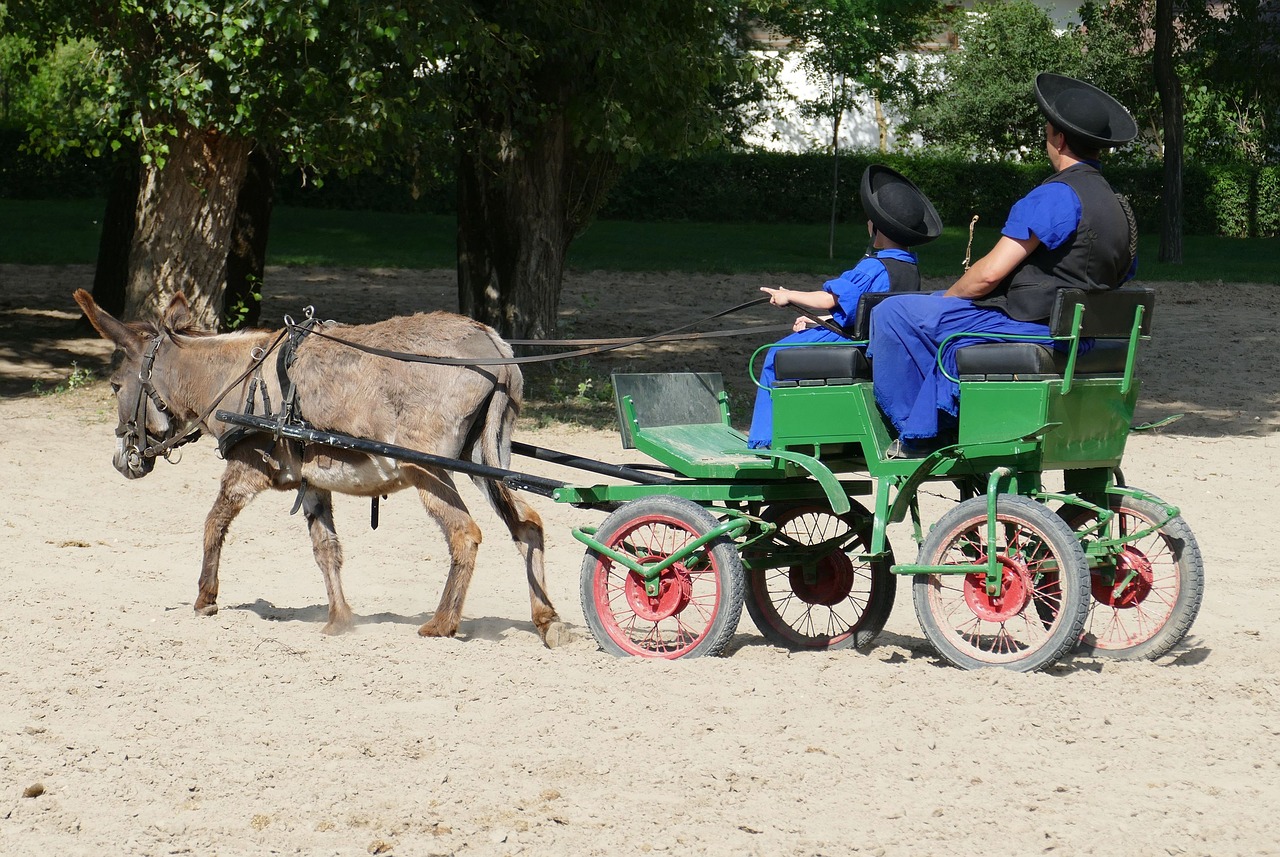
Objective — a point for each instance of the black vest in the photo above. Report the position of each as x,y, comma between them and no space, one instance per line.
903,276
1096,257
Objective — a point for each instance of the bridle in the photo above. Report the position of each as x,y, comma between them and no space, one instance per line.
139,443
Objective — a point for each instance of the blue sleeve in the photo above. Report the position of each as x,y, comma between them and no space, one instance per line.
1051,212
869,275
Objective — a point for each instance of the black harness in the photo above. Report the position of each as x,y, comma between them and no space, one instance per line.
139,442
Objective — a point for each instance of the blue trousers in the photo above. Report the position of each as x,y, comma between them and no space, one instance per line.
761,433
905,333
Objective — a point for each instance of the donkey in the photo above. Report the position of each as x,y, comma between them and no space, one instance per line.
171,377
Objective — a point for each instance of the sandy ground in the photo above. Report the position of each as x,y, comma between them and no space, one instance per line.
152,731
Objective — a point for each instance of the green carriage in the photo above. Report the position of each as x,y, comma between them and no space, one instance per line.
1016,574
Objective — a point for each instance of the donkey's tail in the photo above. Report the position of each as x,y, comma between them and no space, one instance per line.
493,441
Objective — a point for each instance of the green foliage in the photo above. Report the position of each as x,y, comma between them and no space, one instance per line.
851,47
1230,66
316,81
233,316
978,100
78,378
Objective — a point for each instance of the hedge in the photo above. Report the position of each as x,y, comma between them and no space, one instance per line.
1232,200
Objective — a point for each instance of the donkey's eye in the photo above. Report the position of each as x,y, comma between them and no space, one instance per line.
115,388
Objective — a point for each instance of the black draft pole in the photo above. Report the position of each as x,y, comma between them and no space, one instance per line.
519,481
579,463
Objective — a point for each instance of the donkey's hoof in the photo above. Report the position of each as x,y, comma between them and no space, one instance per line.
336,627
206,609
557,634
431,629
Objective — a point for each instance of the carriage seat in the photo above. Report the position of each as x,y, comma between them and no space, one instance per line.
992,361
820,366
817,366
1107,319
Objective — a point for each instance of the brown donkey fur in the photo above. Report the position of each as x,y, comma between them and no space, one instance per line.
452,411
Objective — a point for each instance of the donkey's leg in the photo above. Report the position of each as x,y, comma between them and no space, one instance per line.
526,529
317,506
441,498
241,482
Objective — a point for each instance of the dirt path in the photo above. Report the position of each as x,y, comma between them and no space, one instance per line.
154,732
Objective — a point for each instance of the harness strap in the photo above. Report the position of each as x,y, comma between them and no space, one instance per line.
499,361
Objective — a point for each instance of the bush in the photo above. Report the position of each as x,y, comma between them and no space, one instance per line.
1232,200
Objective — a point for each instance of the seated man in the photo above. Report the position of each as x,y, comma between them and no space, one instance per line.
1073,231
898,216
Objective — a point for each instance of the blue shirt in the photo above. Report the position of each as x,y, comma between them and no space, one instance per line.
1051,212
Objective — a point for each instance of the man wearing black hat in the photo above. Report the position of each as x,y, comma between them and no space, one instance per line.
898,216
1072,231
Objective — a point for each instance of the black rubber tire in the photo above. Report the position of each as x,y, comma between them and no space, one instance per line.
652,528
796,619
1049,568
1178,570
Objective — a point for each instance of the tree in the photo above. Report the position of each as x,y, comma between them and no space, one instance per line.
550,100
851,51
197,87
978,99
1170,87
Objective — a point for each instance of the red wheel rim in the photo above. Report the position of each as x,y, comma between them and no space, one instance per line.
826,605
1133,614
1131,583
1015,592
675,621
829,587
1004,629
674,591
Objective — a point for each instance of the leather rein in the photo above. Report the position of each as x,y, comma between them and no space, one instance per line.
140,443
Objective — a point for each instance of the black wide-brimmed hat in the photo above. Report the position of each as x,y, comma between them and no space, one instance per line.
898,208
1084,111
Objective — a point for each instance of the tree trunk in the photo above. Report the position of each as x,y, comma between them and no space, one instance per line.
882,123
514,229
247,258
838,112
1170,89
111,273
183,230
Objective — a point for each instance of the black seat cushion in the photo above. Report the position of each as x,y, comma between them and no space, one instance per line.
831,364
1107,357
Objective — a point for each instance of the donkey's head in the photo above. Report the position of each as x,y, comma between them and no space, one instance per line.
146,420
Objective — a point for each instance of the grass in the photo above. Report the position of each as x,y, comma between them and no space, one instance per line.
53,232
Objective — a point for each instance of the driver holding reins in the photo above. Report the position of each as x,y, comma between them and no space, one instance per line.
899,216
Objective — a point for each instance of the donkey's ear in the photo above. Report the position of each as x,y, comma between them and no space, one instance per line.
107,325
178,314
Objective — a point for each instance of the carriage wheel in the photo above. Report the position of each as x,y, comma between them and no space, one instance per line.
1145,605
833,601
1041,610
698,602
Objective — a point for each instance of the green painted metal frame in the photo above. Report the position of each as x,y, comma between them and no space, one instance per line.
846,417
732,527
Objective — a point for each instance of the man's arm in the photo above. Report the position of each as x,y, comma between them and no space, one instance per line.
987,272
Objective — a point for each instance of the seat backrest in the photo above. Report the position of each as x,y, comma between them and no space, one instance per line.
860,330
1107,314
